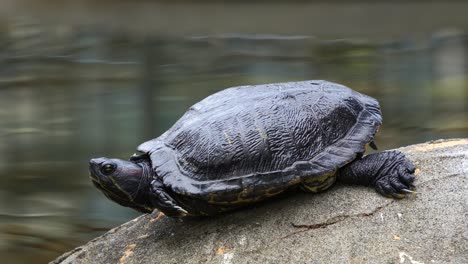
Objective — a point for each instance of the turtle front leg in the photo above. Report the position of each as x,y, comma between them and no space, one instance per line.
390,172
164,202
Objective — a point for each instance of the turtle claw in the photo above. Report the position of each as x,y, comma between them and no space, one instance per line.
408,191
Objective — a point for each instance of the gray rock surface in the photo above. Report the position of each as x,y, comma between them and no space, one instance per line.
347,224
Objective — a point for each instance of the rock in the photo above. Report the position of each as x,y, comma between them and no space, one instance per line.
346,224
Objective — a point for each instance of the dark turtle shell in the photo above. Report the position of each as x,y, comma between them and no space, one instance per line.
253,139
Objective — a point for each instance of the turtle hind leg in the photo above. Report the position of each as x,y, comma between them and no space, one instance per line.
318,184
389,172
164,202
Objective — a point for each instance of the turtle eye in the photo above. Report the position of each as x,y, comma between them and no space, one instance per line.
108,169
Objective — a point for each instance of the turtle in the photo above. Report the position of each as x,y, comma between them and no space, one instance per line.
248,143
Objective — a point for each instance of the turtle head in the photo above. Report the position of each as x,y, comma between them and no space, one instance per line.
124,182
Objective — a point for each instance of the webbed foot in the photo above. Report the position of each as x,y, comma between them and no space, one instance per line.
390,172
396,176
164,202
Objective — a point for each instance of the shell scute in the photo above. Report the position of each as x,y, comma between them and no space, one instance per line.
266,136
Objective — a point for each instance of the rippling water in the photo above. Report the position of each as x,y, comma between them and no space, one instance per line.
69,92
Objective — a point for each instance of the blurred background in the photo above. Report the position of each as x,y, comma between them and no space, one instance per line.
82,79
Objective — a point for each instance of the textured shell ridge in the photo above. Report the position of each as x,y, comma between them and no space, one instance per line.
295,130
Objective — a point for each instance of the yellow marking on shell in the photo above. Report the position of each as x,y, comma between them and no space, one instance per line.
239,199
320,183
295,181
241,196
227,137
272,192
417,171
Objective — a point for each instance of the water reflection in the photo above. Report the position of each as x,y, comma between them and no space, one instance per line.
73,93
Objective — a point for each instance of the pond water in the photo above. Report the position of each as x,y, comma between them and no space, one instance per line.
70,91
